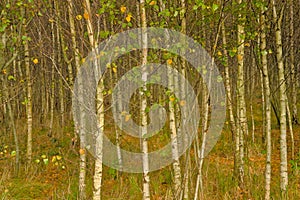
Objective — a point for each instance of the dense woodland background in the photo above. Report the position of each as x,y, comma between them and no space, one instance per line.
255,46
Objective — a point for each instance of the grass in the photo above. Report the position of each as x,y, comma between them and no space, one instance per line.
52,181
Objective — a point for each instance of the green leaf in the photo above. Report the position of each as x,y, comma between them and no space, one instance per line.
3,27
43,156
176,13
13,153
104,34
147,110
264,52
219,79
215,7
25,101
46,161
11,77
232,53
112,172
148,93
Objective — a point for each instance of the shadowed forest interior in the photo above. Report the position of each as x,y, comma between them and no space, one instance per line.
255,47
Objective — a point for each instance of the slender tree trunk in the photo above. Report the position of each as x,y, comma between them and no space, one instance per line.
12,125
263,105
229,94
59,61
204,136
251,90
282,95
289,116
243,129
294,81
52,90
172,118
183,94
100,108
266,94
146,178
29,94
82,166
7,101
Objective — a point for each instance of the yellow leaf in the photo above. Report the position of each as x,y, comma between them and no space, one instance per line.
127,118
53,159
239,57
78,17
128,18
169,61
86,16
114,69
152,3
58,157
219,53
182,103
35,61
81,151
123,9
172,98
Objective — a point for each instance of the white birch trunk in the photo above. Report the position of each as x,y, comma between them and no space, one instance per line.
266,94
243,129
100,109
80,131
282,95
146,178
173,129
29,94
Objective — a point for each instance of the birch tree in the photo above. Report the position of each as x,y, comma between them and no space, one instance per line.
241,105
144,142
100,107
267,93
173,129
277,20
29,93
82,165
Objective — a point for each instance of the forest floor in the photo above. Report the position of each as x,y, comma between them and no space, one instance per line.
53,173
